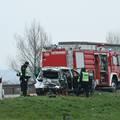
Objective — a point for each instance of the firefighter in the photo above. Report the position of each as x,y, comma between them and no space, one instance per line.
84,80
78,86
24,78
91,82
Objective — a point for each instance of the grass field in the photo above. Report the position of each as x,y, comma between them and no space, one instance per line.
101,106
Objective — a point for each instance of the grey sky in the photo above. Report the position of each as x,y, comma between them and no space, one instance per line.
64,20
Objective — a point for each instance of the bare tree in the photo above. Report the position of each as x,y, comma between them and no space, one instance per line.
113,38
30,46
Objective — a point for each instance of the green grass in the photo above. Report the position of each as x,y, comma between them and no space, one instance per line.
104,106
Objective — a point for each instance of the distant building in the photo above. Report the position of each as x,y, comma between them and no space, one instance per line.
89,45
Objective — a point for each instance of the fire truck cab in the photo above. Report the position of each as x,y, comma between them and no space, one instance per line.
104,64
107,69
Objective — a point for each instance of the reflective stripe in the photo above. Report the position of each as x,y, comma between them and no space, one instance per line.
85,77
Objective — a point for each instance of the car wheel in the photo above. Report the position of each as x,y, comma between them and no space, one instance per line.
113,86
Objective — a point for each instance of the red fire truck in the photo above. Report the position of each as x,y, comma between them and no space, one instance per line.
104,64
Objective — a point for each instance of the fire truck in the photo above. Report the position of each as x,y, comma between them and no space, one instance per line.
105,64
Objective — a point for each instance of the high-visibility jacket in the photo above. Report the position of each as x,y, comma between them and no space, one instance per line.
27,72
85,77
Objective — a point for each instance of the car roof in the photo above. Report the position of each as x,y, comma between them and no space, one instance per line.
55,68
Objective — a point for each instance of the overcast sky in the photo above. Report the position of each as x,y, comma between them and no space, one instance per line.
64,20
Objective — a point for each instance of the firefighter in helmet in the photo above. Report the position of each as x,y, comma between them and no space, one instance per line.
24,78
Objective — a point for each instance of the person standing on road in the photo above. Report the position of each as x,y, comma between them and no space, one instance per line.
24,78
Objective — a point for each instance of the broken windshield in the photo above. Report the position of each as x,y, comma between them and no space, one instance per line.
50,74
